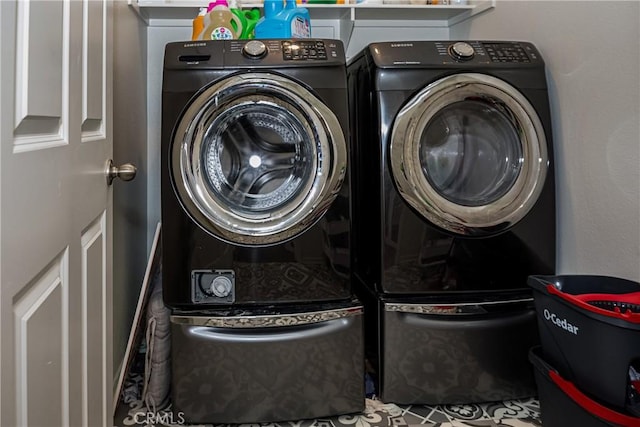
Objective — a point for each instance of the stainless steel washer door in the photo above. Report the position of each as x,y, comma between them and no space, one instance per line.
468,152
257,158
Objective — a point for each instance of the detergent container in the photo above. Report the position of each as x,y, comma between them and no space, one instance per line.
237,11
198,24
220,23
252,17
283,21
248,18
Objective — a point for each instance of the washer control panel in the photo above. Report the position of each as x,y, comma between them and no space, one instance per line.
302,50
213,286
270,53
254,54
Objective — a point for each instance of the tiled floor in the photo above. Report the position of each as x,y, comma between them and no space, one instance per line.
515,413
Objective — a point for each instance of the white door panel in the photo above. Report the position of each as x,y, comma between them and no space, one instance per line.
55,214
42,75
94,45
41,358
94,327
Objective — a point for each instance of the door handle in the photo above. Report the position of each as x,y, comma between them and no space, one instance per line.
126,172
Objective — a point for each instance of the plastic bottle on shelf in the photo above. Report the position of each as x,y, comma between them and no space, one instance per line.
283,21
271,26
252,16
237,11
221,23
298,19
249,18
198,24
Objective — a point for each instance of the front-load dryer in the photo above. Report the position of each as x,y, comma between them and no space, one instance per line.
454,206
256,231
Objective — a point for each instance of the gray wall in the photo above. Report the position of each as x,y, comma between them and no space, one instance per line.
129,146
592,53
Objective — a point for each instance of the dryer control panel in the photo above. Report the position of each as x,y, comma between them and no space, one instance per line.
495,51
509,52
504,52
454,53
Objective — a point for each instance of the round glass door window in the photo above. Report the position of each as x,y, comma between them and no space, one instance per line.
257,159
468,152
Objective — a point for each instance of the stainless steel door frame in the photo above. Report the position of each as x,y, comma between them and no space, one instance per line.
218,197
519,195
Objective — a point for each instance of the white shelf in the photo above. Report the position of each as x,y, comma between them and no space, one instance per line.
182,12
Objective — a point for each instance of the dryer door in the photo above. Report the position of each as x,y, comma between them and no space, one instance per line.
256,158
468,152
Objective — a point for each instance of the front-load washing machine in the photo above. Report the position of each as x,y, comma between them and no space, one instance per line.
256,231
454,206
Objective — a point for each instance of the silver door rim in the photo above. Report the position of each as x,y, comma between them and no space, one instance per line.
418,192
293,218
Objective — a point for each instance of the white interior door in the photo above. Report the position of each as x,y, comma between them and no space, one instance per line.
55,217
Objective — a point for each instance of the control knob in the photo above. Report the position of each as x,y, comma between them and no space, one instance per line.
254,49
461,51
221,286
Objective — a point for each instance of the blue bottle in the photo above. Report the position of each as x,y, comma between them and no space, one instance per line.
283,21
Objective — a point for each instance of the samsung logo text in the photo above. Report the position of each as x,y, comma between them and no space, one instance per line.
401,44
560,323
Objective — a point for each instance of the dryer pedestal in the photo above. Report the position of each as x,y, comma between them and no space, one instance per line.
464,352
448,359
